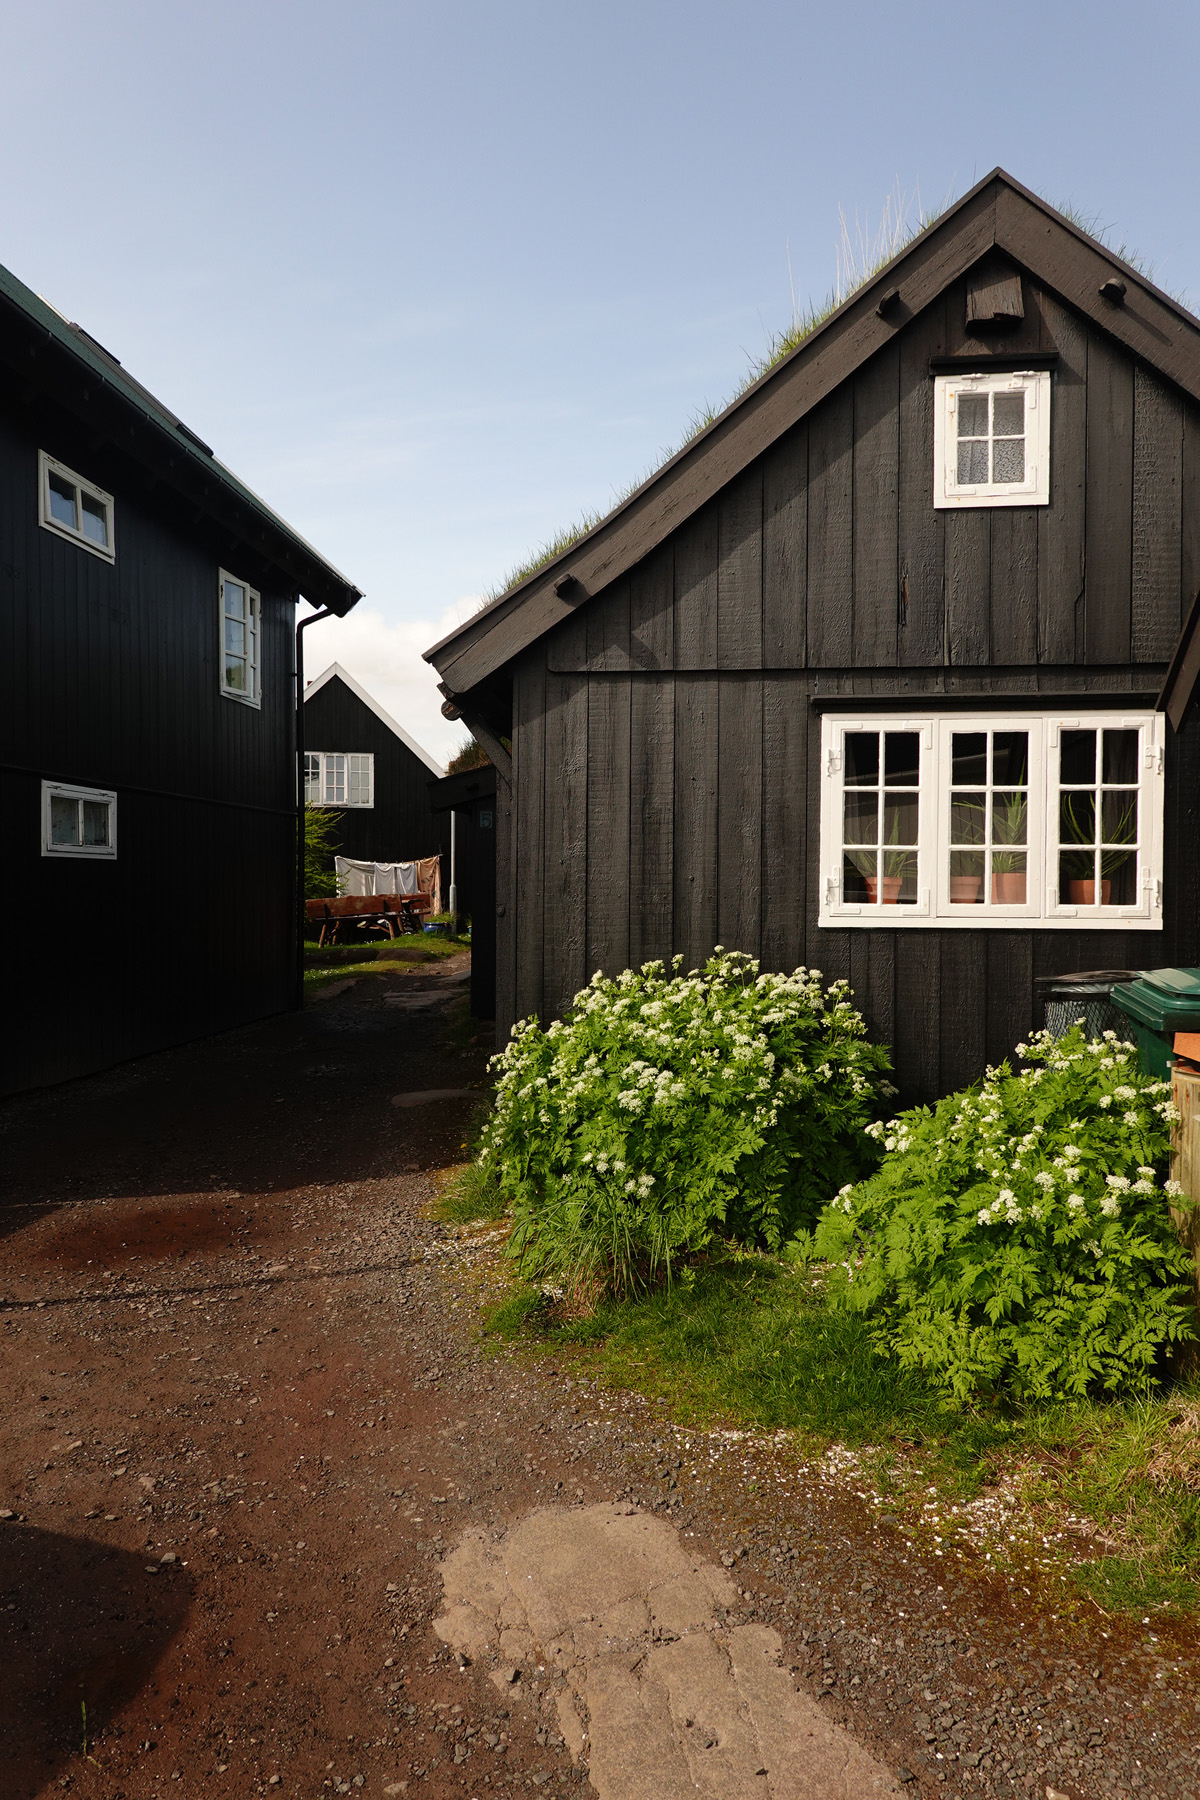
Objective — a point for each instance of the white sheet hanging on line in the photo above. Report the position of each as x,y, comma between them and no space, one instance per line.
375,877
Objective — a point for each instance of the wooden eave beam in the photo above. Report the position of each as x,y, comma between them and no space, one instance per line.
1184,671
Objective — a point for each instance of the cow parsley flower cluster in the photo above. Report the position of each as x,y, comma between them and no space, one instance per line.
1019,1237
669,1109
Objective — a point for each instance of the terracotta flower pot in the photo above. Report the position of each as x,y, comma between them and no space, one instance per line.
1009,889
891,889
1083,893
964,889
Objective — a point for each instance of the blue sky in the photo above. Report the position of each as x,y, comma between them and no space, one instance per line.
437,278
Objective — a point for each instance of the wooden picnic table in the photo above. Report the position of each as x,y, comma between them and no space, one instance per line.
346,915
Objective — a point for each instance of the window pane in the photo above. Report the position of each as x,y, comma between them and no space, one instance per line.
360,781
901,758
966,877
95,519
899,818
968,819
1010,758
972,415
62,501
1077,757
235,674
1118,816
899,878
312,776
862,818
64,820
857,867
1118,875
1077,878
862,758
95,821
1008,415
235,600
235,637
1121,757
1009,818
335,779
1077,818
1008,459
972,462
969,759
1008,878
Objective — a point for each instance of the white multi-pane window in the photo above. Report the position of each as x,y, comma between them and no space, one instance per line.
339,778
992,439
992,820
74,508
78,821
241,632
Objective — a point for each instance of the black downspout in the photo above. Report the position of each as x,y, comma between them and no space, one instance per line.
301,915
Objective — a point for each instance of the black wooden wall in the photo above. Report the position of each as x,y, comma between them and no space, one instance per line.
109,676
401,826
666,746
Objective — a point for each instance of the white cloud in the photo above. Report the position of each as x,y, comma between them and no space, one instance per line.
385,658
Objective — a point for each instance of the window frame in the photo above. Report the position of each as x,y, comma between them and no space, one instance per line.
52,790
251,696
49,465
1034,490
1042,909
323,759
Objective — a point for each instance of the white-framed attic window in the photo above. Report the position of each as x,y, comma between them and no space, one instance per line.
76,509
241,634
991,439
992,820
339,778
78,821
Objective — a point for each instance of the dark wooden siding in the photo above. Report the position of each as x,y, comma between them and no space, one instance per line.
109,676
401,826
665,743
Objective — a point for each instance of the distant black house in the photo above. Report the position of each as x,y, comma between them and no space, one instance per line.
147,715
361,762
866,677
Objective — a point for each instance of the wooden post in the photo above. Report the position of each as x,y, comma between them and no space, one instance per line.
1185,1156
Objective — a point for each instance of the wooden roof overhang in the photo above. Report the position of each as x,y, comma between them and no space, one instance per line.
46,354
998,213
1183,671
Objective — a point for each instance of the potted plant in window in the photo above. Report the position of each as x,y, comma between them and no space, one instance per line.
968,822
1082,891
886,888
1009,877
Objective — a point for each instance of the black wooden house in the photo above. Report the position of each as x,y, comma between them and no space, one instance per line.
866,676
147,715
360,762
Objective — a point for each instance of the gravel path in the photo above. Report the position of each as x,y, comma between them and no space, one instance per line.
248,1417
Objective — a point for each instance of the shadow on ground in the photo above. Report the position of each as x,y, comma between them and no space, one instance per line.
80,1624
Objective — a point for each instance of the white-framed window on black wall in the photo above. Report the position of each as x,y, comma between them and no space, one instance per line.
991,439
74,508
992,820
78,821
339,778
241,632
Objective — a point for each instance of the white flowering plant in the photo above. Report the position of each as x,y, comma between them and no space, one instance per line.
669,1110
1017,1240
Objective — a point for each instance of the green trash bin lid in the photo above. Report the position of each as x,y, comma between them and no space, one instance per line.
1168,1000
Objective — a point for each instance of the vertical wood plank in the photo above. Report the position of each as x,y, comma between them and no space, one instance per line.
963,1048
1061,524
880,1012
1109,531
1013,582
785,551
968,588
695,845
1009,992
918,1016
739,571
922,526
520,889
876,516
651,615
739,813
695,626
652,818
608,892
831,530
1157,500
825,948
1189,559
564,968
606,624
787,851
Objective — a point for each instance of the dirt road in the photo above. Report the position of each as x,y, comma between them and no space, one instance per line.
247,1427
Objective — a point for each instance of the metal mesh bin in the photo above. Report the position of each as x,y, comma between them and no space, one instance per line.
1085,998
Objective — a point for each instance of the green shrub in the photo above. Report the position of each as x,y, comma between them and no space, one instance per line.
1018,1239
669,1110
